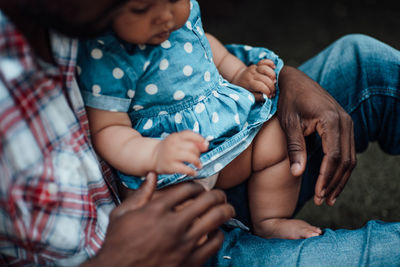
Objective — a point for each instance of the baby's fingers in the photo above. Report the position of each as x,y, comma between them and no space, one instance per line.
182,168
263,84
201,143
189,156
266,62
268,71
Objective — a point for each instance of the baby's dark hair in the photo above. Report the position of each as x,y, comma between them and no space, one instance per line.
78,18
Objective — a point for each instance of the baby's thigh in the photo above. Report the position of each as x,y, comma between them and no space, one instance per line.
269,146
237,171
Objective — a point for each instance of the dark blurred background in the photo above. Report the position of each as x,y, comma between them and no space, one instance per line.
296,31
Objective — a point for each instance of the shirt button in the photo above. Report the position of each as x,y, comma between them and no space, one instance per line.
52,188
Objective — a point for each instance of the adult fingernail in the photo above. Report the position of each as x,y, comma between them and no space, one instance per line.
323,192
295,167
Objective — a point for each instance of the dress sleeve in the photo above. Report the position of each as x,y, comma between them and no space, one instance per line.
106,79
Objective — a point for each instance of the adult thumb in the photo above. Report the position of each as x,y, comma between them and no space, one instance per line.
297,152
136,199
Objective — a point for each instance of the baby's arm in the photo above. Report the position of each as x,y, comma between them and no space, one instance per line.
259,79
128,151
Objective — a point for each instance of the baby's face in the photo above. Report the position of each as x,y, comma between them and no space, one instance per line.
150,21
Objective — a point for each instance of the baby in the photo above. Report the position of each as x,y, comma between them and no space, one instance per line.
164,96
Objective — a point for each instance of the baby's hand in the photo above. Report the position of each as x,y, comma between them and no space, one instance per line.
258,79
178,148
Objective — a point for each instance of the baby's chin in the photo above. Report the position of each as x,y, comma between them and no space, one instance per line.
158,39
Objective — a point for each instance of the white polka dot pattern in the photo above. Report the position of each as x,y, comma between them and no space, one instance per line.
207,76
200,107
234,97
145,65
179,95
96,89
96,53
118,73
262,54
166,44
196,127
237,119
251,98
164,64
137,107
151,89
215,117
178,118
188,47
187,70
148,125
131,93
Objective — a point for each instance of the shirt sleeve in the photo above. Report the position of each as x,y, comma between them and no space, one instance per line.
106,79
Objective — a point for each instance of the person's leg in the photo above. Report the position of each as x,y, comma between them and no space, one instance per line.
377,244
363,75
273,190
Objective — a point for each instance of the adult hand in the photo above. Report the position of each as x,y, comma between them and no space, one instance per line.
305,107
153,233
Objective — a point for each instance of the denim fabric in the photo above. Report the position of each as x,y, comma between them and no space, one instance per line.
363,76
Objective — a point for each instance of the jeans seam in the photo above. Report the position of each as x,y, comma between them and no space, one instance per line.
369,92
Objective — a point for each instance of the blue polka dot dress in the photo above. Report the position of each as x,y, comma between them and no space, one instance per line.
175,86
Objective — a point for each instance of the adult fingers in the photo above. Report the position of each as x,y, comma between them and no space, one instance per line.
296,144
347,163
174,195
138,198
202,253
211,220
329,131
258,96
202,204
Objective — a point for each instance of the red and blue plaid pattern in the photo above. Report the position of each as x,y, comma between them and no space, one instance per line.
54,200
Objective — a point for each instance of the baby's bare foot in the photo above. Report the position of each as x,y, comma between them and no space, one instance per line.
286,229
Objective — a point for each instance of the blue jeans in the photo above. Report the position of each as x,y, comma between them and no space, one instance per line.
363,75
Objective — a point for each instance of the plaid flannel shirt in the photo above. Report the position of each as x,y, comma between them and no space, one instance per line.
55,201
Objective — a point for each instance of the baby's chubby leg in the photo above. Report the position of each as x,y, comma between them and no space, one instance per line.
273,190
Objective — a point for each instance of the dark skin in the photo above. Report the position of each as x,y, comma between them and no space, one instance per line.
161,234
304,108
174,235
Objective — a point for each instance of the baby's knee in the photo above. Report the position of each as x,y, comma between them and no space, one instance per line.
270,146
